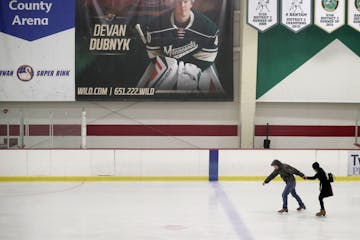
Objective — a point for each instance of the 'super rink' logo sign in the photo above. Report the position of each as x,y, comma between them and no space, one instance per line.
354,163
35,19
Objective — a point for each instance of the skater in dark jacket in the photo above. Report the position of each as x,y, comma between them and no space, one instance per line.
325,186
287,174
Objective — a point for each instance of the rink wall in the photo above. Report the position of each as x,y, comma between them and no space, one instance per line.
239,164
128,164
162,165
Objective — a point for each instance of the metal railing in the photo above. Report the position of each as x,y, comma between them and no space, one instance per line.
40,129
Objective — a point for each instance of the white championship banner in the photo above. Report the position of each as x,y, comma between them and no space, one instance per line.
296,15
262,14
329,14
354,14
354,163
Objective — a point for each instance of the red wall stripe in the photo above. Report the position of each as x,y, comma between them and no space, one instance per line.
59,130
128,130
184,130
14,130
162,130
39,130
67,130
43,130
305,131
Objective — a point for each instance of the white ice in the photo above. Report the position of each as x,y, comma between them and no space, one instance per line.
172,211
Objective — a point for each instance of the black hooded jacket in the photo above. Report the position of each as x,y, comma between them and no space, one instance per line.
286,172
325,186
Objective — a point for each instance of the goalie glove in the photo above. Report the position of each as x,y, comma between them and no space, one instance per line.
160,75
188,76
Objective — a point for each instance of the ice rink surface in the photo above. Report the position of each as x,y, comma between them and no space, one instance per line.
172,211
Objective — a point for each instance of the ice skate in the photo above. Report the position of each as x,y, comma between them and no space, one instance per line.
301,208
283,210
322,213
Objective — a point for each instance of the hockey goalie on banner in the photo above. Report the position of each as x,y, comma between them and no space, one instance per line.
182,45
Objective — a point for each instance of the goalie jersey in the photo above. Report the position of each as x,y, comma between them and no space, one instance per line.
182,55
196,42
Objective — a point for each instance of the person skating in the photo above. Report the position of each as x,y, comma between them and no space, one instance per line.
287,174
325,187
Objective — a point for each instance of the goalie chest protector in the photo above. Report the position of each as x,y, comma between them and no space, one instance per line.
195,43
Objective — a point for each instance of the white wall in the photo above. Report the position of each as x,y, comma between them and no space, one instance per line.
160,163
143,113
104,163
315,114
306,114
185,113
308,142
257,163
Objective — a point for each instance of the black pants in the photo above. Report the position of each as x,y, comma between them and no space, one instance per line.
321,200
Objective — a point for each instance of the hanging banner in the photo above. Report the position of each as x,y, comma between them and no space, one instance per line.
37,45
329,14
262,14
354,163
354,14
154,50
296,15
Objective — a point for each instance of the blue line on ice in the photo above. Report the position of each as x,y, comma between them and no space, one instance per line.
232,213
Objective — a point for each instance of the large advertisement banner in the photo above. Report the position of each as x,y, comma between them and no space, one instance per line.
37,50
154,50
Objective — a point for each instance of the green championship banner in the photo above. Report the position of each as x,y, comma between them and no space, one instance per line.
154,50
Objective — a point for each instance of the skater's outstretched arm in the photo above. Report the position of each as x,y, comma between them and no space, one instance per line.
271,176
316,176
